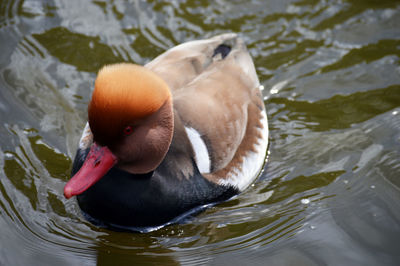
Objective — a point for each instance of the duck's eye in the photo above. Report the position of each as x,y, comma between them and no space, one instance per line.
128,130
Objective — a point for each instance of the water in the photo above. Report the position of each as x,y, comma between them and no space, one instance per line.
330,191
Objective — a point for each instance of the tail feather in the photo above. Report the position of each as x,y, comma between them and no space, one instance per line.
223,50
181,64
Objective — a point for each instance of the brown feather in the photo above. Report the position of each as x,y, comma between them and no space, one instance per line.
218,97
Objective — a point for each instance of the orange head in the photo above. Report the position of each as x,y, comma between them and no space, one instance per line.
123,95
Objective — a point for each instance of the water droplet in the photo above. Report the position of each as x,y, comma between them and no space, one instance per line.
8,155
312,227
221,225
346,181
274,91
372,186
278,86
305,201
395,112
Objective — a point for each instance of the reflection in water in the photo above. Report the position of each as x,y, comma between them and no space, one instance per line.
108,252
91,56
339,111
329,193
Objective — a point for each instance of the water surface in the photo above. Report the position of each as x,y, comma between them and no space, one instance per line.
329,193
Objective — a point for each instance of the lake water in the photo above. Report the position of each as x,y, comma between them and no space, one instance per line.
330,190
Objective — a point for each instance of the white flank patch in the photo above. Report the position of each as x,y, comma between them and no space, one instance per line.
200,150
86,138
252,162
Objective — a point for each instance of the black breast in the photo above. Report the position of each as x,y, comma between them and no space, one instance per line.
124,200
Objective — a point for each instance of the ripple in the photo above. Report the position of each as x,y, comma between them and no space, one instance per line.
330,73
8,13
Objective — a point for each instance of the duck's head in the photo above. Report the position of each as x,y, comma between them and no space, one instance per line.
131,119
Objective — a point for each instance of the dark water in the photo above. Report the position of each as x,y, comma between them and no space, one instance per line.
329,194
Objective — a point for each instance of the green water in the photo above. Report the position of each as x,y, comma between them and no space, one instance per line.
330,190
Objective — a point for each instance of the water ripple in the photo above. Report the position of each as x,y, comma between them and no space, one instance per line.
331,76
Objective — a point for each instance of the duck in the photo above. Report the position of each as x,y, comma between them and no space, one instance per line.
187,130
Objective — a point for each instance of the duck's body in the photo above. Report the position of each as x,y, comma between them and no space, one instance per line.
214,136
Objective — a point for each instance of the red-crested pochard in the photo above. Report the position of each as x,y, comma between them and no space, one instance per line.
186,130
